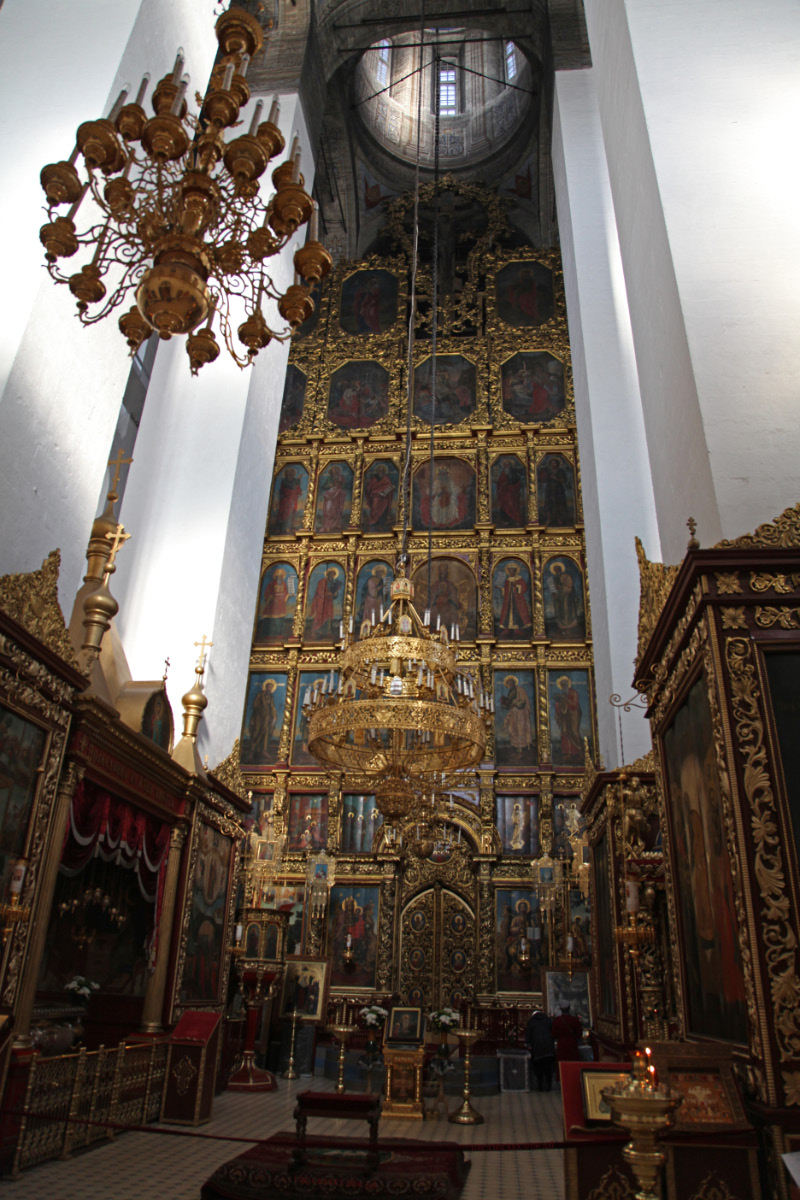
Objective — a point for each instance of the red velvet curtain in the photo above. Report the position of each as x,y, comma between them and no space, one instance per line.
103,826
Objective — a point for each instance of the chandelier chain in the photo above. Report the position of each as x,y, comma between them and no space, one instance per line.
412,315
434,301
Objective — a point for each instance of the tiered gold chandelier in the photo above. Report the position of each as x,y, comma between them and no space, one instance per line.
182,228
403,716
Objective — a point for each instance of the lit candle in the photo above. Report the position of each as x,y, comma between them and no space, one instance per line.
349,941
256,117
351,622
427,618
631,896
178,68
18,876
239,932
341,629
453,631
142,88
275,110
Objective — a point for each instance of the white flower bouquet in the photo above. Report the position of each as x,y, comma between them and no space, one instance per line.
444,1019
81,986
372,1016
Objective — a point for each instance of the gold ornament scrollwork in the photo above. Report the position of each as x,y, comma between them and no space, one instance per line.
782,616
778,937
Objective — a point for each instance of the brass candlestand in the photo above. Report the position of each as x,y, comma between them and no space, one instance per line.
341,1033
465,1114
290,1072
646,1111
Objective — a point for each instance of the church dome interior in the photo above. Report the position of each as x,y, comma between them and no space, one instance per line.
485,88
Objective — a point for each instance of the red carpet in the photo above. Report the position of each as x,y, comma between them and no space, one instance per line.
336,1169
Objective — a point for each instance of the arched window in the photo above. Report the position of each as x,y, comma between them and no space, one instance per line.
447,89
511,60
382,70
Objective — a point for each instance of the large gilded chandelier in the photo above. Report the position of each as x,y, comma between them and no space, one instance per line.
177,221
403,715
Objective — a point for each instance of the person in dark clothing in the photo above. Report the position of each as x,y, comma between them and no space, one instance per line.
567,1031
539,1040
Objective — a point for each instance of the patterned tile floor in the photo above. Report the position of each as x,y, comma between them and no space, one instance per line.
169,1165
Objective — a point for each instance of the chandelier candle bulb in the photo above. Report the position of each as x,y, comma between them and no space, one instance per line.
177,70
140,95
275,110
243,65
177,103
313,225
227,79
118,103
256,117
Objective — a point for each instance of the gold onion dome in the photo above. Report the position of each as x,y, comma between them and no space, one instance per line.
403,716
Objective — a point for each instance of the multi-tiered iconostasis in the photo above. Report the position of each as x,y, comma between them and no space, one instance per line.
500,508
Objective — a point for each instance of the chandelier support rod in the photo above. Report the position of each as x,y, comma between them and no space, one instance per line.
434,300
412,315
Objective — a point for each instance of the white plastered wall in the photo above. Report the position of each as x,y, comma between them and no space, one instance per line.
616,485
196,507
699,102
61,384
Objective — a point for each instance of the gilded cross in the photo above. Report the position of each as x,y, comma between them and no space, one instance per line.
201,658
116,538
118,463
691,525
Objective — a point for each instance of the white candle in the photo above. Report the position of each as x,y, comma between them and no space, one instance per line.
570,944
18,876
631,896
239,932
227,78
256,117
313,228
275,110
244,64
142,88
178,68
177,103
118,103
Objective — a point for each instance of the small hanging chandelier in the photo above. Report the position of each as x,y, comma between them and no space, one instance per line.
179,224
404,715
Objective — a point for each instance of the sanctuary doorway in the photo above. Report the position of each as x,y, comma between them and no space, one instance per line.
437,948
